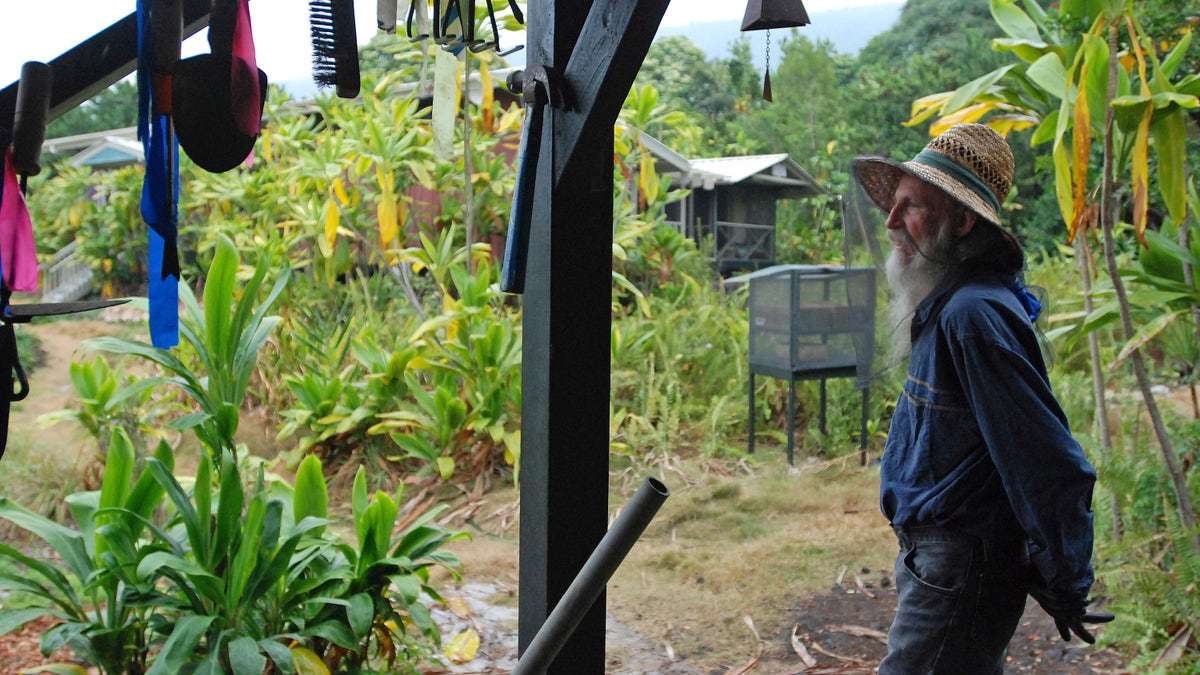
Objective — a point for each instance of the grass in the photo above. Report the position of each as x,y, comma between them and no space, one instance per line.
750,543
39,475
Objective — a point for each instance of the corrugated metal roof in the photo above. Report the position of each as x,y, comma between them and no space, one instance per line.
737,169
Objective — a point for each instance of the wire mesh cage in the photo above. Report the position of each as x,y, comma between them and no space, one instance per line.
810,322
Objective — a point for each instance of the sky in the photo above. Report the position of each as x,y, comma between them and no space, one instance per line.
40,30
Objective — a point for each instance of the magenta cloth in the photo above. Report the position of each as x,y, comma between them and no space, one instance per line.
244,93
18,255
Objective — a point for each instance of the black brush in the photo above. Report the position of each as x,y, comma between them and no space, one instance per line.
335,45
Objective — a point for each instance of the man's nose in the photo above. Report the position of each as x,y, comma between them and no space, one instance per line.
894,222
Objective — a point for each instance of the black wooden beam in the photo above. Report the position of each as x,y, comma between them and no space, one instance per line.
606,58
599,46
98,62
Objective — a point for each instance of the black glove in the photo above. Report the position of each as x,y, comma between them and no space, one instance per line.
1069,615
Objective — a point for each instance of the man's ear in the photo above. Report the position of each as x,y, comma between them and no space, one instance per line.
966,223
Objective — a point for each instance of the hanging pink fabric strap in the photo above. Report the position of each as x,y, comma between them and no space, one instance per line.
244,94
18,255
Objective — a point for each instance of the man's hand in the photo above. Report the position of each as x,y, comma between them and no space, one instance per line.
1070,615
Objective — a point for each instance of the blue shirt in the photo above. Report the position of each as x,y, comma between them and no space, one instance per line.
978,442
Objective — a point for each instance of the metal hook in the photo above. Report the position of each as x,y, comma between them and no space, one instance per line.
408,23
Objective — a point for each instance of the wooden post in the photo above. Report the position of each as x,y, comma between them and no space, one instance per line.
566,306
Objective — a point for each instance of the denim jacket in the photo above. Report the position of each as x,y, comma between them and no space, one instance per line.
979,444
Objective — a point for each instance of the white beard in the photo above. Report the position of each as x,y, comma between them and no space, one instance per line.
911,281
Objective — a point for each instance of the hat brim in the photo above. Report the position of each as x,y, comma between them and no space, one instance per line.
879,177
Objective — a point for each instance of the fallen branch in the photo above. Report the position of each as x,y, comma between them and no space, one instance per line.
859,631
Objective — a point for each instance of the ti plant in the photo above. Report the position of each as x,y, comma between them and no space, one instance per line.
97,590
107,401
225,336
239,578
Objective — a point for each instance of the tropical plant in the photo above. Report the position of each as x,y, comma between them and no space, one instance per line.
225,336
95,589
387,577
238,579
108,400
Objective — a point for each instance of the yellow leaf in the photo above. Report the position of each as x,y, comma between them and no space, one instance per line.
926,106
512,448
332,217
307,662
339,189
971,113
1141,175
489,112
1062,185
462,647
1006,124
1081,145
266,144
458,607
389,229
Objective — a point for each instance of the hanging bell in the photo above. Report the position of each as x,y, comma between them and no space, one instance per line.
767,14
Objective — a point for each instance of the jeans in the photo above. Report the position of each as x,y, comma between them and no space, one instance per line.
961,599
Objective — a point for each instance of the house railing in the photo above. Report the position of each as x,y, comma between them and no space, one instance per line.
743,245
65,278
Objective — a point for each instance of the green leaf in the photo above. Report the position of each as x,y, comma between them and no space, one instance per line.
181,645
245,658
361,614
67,543
1045,130
197,535
970,92
445,467
1128,112
1146,333
1049,74
1095,52
157,560
279,654
1028,51
218,297
334,631
247,550
12,619
311,494
358,500
1014,21
56,669
1170,143
230,500
1171,63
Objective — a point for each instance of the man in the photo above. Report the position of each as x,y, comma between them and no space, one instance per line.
988,492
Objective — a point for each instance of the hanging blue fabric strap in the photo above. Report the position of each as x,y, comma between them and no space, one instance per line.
158,210
159,195
1033,306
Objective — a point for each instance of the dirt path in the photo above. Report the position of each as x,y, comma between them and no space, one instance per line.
841,629
50,384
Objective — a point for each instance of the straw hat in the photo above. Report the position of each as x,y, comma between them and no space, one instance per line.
969,162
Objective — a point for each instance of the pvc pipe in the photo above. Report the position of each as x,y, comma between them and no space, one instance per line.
587,585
